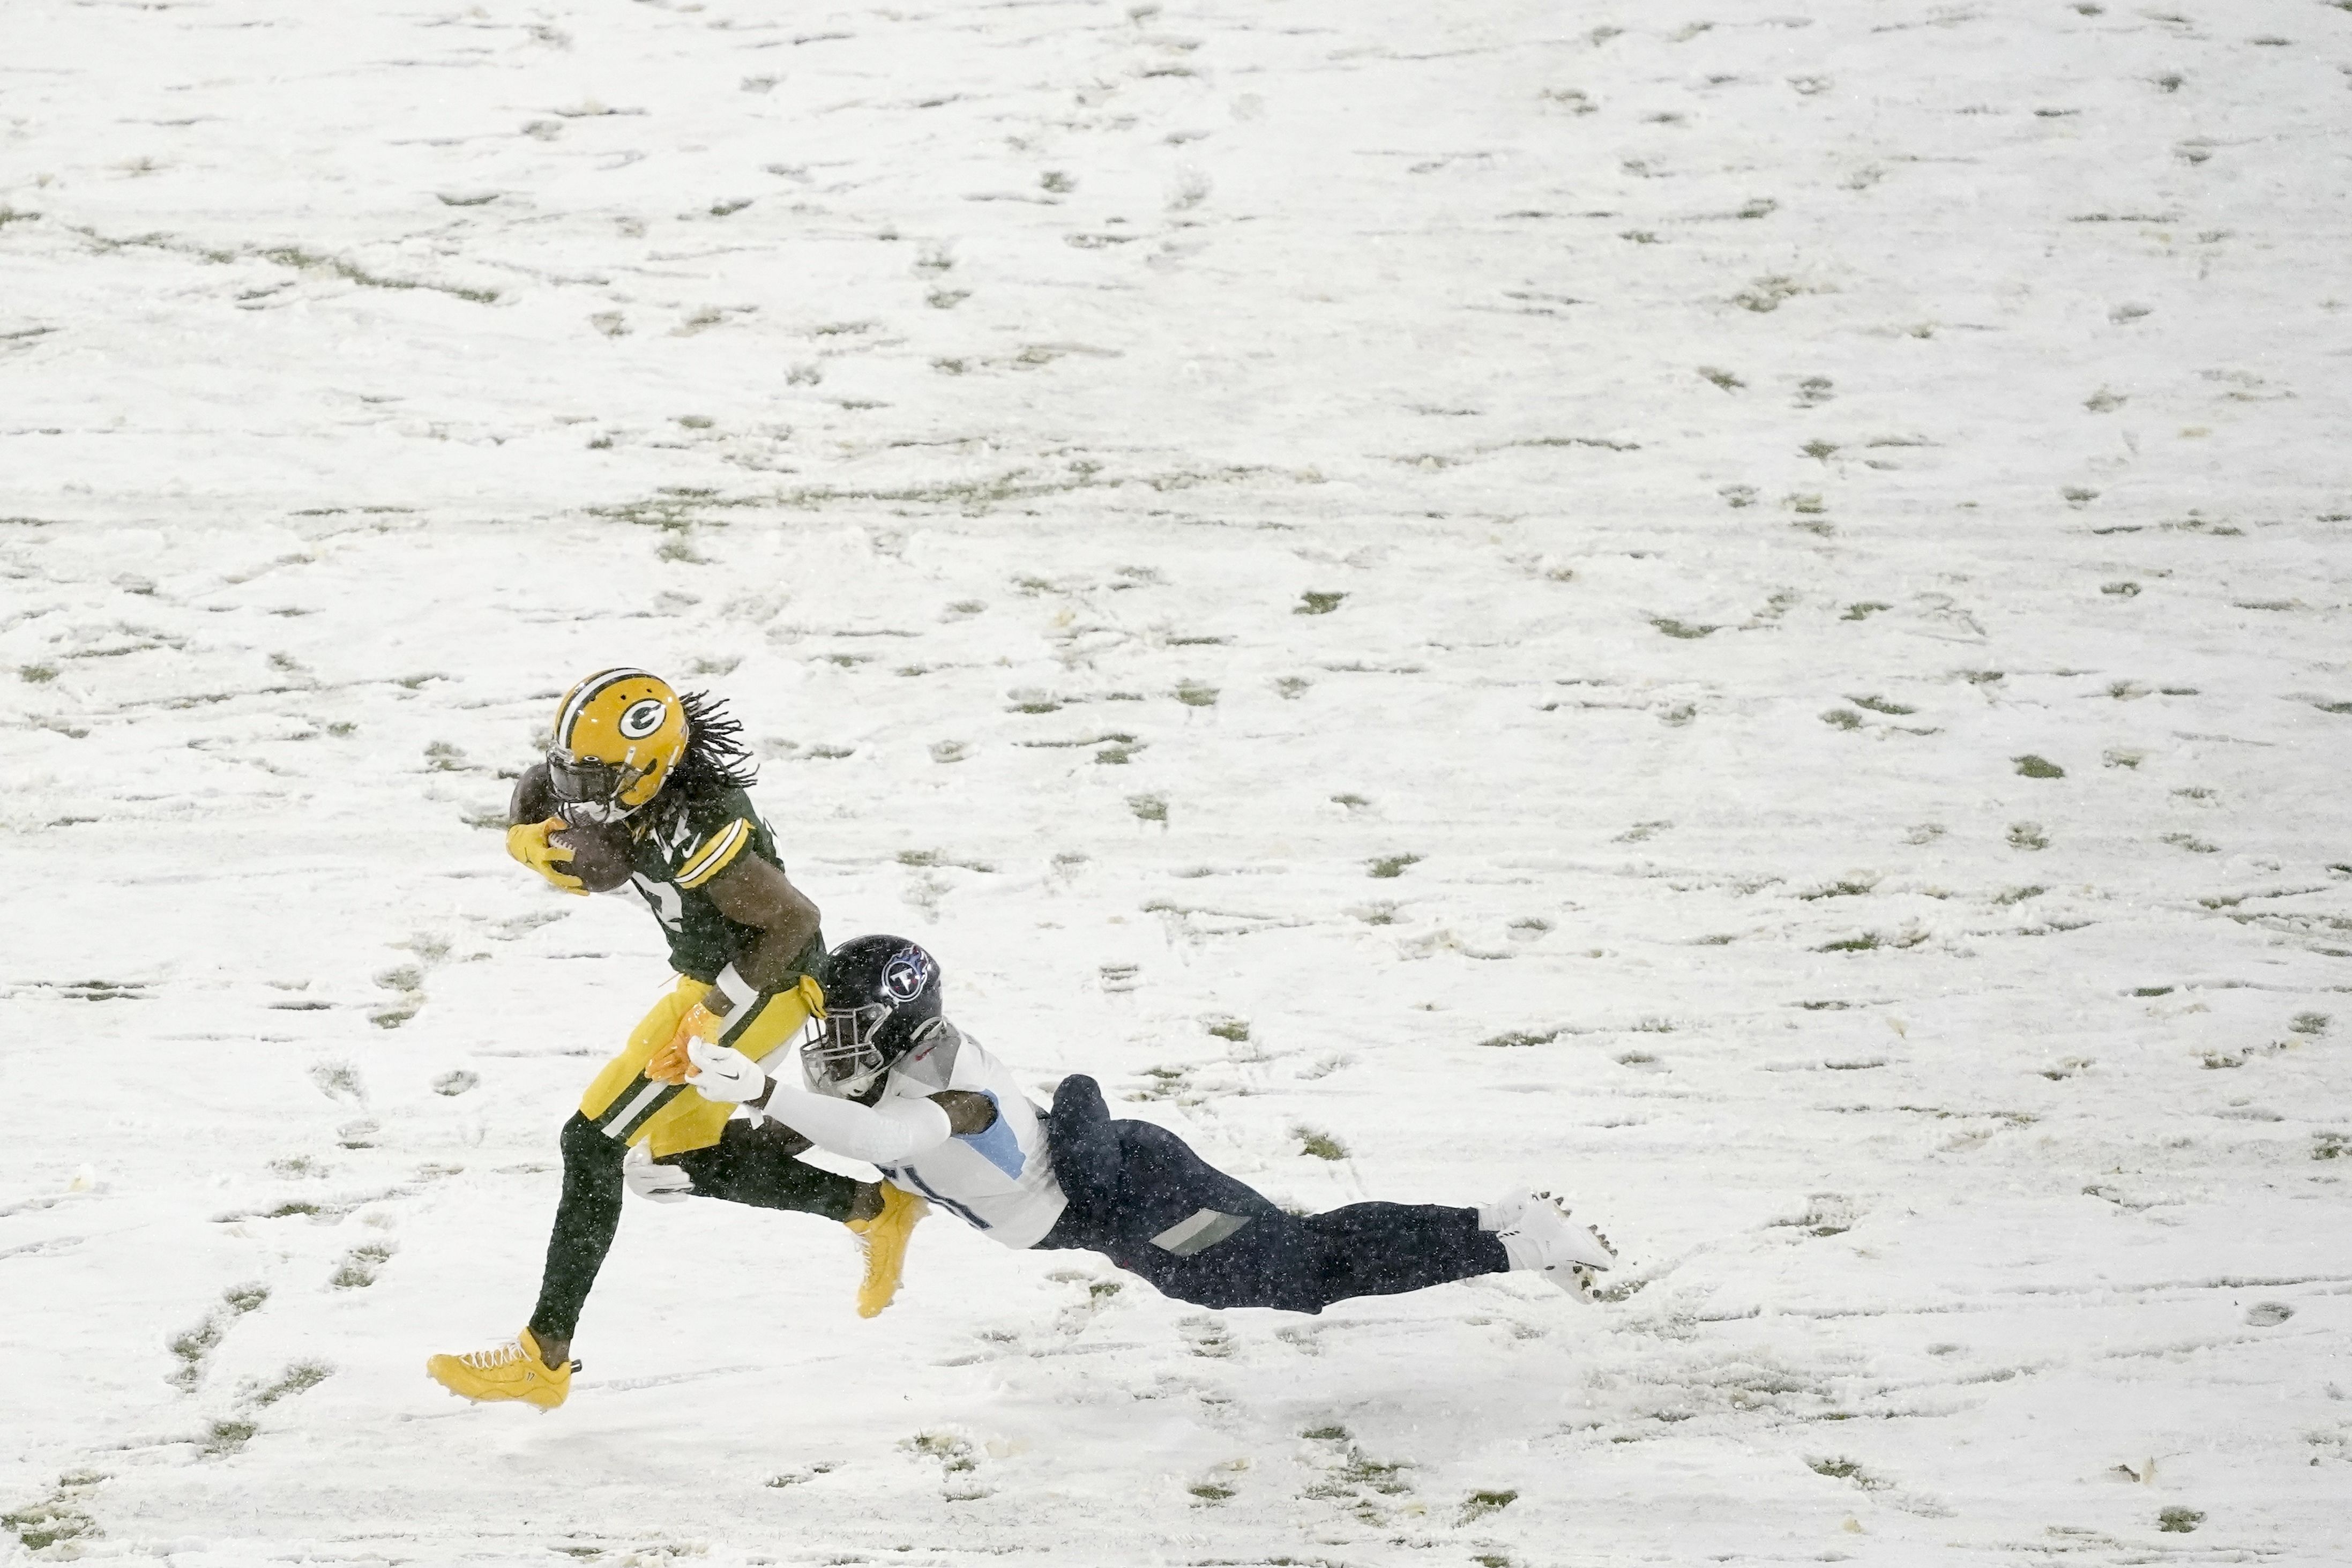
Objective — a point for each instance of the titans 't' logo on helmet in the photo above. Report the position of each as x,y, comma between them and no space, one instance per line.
908,971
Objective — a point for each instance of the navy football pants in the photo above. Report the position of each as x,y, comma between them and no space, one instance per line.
1129,1182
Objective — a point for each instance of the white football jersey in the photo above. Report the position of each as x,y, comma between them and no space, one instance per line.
1001,1180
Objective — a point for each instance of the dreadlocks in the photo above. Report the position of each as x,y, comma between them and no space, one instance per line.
715,761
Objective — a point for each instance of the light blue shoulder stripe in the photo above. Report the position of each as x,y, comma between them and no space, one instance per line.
997,1145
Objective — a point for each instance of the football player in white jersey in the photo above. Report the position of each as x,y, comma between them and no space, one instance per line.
887,1078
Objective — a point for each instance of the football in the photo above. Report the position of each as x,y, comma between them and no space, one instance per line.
601,856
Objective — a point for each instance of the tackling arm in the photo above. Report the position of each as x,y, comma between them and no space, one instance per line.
887,1135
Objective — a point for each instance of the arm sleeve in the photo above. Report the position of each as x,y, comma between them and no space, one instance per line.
887,1135
533,800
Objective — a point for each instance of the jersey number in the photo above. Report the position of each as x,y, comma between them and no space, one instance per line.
663,900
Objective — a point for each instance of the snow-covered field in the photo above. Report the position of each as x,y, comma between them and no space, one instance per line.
1743,612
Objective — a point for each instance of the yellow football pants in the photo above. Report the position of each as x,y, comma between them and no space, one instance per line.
671,1119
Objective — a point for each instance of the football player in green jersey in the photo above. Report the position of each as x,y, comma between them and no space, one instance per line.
661,778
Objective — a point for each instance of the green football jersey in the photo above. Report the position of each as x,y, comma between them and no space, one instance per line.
674,863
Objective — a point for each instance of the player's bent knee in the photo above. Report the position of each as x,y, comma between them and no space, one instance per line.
583,1143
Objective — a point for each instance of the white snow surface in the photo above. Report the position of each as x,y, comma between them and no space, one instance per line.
1466,583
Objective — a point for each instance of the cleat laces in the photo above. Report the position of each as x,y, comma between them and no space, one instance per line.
501,1356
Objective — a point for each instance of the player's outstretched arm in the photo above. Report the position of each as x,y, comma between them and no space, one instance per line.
888,1134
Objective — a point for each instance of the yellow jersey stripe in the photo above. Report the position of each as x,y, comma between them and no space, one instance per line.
715,854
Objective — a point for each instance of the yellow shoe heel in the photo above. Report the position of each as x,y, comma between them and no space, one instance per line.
884,1240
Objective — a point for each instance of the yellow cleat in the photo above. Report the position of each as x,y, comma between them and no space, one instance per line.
511,1371
883,1239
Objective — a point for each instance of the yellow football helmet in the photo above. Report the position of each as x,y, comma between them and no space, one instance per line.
618,736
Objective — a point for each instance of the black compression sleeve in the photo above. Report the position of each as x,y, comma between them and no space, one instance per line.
756,1165
587,1217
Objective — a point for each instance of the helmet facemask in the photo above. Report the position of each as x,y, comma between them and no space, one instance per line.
845,1055
589,789
881,1000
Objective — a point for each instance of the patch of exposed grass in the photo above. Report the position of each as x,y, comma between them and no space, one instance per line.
1843,719
360,1267
300,1378
192,1347
1392,865
314,261
58,1518
2035,767
1481,1503
1234,1029
2027,835
1192,694
1514,1039
341,1081
2179,1520
1683,629
1863,943
951,1450
1314,602
1147,807
225,1437
1768,293
1841,1469
1321,1145
1359,1469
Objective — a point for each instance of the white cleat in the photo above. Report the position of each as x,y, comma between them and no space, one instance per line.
1537,1236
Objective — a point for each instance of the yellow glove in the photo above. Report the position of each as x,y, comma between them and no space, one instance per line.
527,842
670,1064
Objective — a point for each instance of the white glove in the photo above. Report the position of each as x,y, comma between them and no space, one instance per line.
663,1184
723,1073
